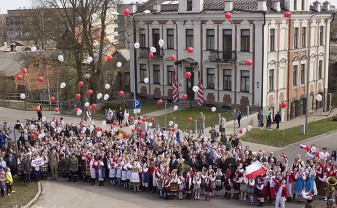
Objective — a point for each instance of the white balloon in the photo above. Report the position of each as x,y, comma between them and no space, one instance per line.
22,96
91,127
135,122
99,95
44,119
99,134
153,49
43,134
103,123
136,45
170,123
60,58
249,127
175,126
107,86
150,124
195,88
119,64
244,130
86,104
161,43
213,109
319,97
106,97
63,85
205,139
79,112
89,59
33,49
146,80
58,129
84,129
94,16
175,108
40,136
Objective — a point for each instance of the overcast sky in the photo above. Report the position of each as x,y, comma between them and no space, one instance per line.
15,4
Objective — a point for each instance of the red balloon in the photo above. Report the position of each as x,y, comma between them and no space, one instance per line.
40,79
139,129
159,102
228,15
98,129
142,135
121,126
77,109
24,70
80,84
114,123
121,94
248,62
126,135
317,154
19,77
37,133
144,119
133,130
37,109
190,50
52,99
173,57
151,55
190,119
56,110
152,120
89,92
139,122
184,96
131,118
32,136
126,12
93,106
188,75
78,96
287,14
283,104
307,148
173,129
109,58
240,131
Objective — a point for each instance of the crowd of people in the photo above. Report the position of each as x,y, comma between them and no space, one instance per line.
175,165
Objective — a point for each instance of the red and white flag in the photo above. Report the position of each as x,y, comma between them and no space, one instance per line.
200,90
255,169
175,93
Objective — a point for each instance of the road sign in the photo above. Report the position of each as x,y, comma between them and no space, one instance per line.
137,110
136,104
165,102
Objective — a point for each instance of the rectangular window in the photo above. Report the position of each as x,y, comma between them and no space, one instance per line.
210,78
320,69
303,5
44,66
189,38
142,38
245,40
227,79
295,70
304,37
271,80
295,5
142,68
245,81
302,73
210,40
296,38
321,35
155,40
36,65
189,5
272,40
227,44
169,75
170,38
156,74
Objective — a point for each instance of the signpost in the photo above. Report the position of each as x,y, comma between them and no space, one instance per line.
235,115
136,107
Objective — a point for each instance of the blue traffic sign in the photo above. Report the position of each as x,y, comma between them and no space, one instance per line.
136,104
165,102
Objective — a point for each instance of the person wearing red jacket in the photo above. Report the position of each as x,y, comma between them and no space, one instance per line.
281,193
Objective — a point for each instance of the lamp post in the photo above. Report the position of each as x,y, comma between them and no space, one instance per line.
132,58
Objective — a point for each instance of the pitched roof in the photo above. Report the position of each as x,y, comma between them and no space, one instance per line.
10,63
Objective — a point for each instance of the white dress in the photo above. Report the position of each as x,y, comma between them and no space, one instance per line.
92,170
135,175
112,170
124,171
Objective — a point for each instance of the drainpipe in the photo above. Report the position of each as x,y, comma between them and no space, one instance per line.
288,72
264,24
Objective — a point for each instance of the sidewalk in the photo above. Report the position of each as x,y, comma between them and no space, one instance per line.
160,112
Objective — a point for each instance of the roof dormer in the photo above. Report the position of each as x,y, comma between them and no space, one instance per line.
191,6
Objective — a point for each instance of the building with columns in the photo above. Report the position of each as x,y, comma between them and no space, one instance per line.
288,54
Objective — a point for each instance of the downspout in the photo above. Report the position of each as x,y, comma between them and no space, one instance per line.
264,24
325,100
163,63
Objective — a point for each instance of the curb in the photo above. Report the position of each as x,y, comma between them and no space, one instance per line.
38,194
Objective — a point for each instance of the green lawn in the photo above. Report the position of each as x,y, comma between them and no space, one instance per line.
149,107
280,138
22,194
182,115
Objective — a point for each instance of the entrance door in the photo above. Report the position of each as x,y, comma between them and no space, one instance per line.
190,84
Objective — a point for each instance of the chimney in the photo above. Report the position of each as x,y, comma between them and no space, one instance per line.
276,5
262,5
156,7
326,5
13,47
317,6
228,5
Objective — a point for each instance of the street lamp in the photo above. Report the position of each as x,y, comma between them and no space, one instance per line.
132,58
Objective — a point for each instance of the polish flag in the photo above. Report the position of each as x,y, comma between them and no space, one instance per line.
254,170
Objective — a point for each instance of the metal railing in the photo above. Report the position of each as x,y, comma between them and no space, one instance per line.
221,56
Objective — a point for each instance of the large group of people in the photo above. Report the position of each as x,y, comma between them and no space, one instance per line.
191,167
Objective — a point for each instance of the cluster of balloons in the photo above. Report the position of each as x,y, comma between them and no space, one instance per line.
244,130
